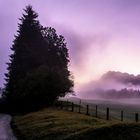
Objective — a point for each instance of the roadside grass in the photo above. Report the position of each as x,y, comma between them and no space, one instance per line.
56,124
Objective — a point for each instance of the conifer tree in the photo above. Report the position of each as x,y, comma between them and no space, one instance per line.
38,70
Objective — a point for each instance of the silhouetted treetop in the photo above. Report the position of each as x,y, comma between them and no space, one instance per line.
38,68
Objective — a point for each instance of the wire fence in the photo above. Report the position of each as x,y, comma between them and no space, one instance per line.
100,111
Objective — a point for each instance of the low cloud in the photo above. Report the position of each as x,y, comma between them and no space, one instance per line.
123,78
110,81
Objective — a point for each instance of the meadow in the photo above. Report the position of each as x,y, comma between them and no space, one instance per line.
129,107
58,124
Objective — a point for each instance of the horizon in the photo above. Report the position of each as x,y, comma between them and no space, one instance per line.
102,35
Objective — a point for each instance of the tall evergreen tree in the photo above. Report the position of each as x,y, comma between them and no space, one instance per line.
38,70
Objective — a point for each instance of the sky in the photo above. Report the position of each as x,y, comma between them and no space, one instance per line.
101,35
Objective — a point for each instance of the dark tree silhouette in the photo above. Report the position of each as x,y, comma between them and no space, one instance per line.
38,70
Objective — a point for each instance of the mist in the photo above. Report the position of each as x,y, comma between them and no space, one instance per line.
112,86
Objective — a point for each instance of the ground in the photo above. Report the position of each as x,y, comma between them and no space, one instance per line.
5,129
56,124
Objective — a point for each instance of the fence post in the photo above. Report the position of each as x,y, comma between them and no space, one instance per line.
107,113
121,115
80,106
61,106
87,111
96,113
67,107
72,107
137,117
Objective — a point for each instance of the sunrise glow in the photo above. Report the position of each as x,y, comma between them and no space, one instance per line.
101,35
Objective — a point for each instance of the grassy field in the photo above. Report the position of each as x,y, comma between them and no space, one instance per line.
115,107
55,124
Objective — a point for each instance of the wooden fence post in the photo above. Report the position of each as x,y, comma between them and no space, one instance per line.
121,115
61,106
72,107
87,111
67,107
96,112
107,113
137,117
80,106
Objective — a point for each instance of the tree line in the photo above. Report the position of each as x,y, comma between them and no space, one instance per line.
118,94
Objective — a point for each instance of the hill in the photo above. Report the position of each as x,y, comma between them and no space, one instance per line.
55,124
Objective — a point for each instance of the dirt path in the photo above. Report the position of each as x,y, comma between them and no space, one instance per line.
5,129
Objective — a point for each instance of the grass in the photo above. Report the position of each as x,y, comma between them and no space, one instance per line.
129,108
55,124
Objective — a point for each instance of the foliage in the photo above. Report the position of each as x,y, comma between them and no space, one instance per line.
38,69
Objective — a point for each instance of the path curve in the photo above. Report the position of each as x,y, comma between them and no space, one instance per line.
6,132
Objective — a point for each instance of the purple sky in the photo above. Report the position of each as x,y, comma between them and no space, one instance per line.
102,35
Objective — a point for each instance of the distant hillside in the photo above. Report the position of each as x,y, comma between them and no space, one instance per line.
123,93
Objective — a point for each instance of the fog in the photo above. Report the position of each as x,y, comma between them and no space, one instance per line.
112,86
